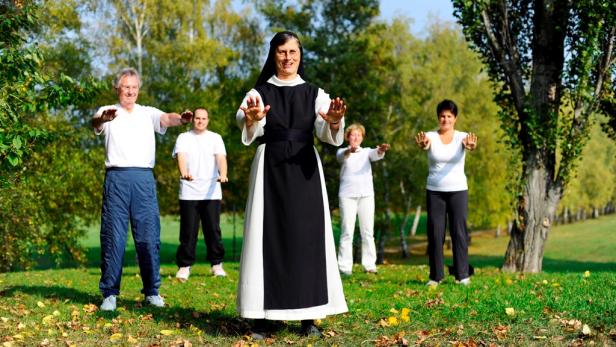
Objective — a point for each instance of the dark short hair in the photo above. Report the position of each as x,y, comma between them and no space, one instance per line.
269,68
447,105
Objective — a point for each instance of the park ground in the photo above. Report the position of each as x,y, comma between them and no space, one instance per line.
572,302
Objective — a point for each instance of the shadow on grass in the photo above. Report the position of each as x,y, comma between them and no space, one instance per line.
212,323
167,255
550,265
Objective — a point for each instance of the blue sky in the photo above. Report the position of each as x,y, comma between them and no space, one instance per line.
420,11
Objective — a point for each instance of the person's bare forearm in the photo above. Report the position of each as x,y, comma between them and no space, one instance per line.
221,162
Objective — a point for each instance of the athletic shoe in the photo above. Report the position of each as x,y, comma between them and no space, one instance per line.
155,300
465,281
109,303
183,273
310,330
433,283
218,271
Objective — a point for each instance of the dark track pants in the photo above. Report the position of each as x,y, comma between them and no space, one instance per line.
444,207
129,195
208,212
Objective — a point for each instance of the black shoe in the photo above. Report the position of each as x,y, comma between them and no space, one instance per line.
310,330
259,330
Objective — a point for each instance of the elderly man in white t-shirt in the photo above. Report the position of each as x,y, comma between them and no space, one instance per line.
130,189
356,196
202,161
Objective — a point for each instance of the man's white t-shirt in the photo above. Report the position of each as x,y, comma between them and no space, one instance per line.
200,150
446,163
129,138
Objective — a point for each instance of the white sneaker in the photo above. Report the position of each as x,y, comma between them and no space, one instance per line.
109,303
432,283
465,281
218,271
155,300
183,273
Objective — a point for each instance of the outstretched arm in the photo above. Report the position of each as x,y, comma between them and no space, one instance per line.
422,140
335,113
168,120
470,141
107,116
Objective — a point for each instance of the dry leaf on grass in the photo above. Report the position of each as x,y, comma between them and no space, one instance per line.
500,331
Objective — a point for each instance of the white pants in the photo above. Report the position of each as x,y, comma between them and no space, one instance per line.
349,209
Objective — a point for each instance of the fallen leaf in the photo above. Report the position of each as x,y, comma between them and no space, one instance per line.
394,311
586,274
166,332
392,320
132,339
4,319
47,319
510,311
500,331
56,313
330,333
90,308
40,304
115,337
586,330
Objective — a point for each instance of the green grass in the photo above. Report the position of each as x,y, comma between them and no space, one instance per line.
57,306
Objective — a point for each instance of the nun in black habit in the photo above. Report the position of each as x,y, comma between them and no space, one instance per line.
288,268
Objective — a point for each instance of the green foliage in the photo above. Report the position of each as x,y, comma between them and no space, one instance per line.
25,90
43,194
594,180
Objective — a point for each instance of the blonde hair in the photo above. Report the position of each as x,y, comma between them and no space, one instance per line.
357,127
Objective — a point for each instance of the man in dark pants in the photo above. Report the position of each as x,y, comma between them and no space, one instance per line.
130,189
202,161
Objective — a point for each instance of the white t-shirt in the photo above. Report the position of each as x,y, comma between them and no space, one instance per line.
129,138
446,163
201,164
356,172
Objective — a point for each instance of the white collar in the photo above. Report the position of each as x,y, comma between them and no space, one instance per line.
286,83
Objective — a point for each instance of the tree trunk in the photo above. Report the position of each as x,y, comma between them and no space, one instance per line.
403,245
380,253
536,210
416,220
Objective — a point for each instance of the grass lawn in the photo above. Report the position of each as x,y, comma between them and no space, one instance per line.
573,302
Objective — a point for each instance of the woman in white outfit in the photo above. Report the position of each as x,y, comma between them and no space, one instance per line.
447,192
356,195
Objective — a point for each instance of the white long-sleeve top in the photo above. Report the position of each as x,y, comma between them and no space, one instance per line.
356,172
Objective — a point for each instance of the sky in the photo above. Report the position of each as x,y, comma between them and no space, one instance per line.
420,11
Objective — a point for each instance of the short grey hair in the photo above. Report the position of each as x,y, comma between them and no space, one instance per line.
129,71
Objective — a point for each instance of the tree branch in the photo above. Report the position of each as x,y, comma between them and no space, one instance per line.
511,64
